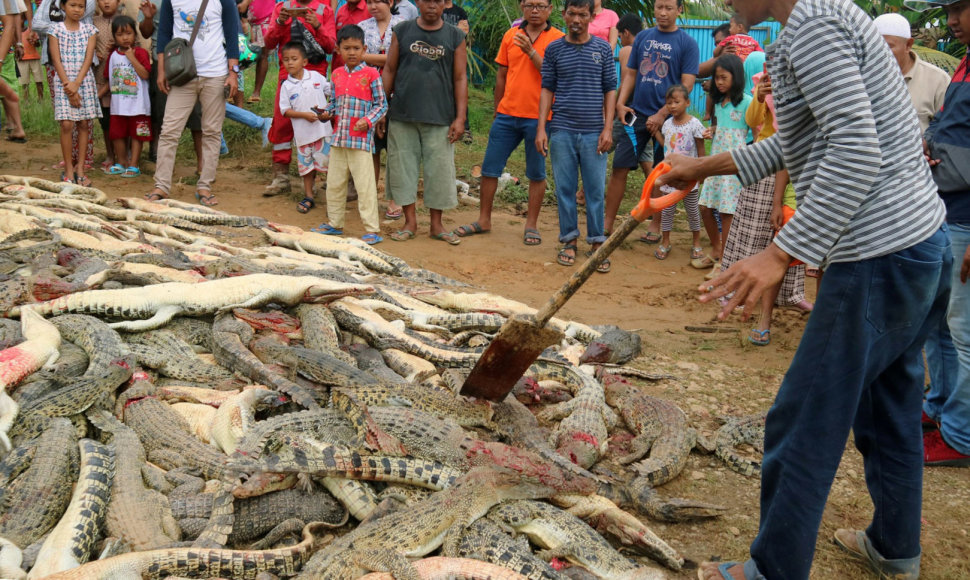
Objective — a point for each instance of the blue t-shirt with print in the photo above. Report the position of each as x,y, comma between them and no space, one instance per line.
660,58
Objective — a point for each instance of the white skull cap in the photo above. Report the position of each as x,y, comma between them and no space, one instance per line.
893,24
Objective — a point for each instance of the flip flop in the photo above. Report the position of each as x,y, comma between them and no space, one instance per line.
651,238
661,252
449,237
327,230
372,239
155,196
66,179
760,337
206,200
402,235
131,172
82,180
857,545
720,567
604,266
471,229
531,237
393,215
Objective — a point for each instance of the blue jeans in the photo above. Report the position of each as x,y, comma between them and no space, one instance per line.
244,117
504,136
857,367
571,154
949,398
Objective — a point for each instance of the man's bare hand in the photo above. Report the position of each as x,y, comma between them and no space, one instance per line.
523,41
683,172
928,155
748,279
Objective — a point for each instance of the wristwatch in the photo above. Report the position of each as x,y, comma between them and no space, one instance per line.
235,69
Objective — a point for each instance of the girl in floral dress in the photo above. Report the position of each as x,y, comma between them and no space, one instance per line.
721,192
71,45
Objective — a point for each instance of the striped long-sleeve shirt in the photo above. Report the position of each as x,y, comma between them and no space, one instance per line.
849,136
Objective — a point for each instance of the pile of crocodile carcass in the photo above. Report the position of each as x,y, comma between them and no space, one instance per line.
174,404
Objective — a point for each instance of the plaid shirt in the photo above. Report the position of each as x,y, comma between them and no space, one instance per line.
356,94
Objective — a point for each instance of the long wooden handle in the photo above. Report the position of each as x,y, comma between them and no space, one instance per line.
645,208
583,274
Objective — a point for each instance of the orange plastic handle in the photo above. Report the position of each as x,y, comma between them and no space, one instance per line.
786,214
650,205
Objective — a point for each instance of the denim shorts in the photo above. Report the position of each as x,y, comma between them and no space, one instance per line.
505,135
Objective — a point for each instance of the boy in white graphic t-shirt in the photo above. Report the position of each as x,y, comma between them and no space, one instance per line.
303,100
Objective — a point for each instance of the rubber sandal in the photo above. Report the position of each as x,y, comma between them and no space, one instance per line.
697,253
402,235
65,178
651,238
253,99
393,215
155,196
83,180
661,252
760,337
531,237
449,237
372,239
856,544
471,229
131,172
206,200
715,271
116,169
604,267
565,259
305,205
720,567
327,230
702,263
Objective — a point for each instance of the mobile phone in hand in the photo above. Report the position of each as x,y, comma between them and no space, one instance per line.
630,119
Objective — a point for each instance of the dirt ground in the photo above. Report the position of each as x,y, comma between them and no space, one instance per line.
718,374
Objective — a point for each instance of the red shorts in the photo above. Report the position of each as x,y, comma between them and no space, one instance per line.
138,127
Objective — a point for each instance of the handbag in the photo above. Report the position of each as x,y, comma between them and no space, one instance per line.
179,60
314,52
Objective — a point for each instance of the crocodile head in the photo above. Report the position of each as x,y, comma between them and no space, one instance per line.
329,291
581,448
614,346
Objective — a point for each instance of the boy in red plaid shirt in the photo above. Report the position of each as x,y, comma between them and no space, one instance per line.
358,103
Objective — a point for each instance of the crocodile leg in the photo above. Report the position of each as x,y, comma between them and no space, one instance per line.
161,316
368,431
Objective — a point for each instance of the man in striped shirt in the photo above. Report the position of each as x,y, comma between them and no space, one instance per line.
850,138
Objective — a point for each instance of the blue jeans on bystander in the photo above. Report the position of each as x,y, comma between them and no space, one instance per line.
948,400
572,154
857,367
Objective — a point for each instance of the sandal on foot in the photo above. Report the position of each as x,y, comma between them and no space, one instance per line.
604,267
65,178
305,205
393,215
661,252
131,172
531,237
327,230
702,263
402,235
651,238
116,169
760,337
155,196
253,99
372,239
207,199
715,271
82,180
449,237
470,230
706,569
565,259
857,545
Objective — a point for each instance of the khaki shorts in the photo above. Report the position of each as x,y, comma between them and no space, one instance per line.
30,68
411,145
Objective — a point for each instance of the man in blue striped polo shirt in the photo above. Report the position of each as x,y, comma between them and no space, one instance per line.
578,73
850,138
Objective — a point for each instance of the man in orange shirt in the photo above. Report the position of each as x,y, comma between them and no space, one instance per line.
518,85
